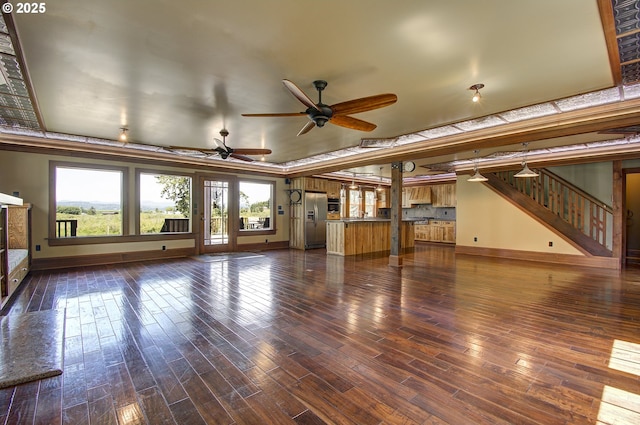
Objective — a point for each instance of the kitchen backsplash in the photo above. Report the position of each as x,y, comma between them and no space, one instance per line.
422,211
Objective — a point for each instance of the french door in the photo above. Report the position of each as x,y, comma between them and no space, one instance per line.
218,230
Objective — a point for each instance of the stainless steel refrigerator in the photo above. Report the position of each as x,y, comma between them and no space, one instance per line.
315,223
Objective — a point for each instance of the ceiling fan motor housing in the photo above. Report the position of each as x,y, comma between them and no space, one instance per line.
321,115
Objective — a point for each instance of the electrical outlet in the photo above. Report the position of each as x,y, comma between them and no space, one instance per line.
266,241
475,239
37,247
550,243
164,247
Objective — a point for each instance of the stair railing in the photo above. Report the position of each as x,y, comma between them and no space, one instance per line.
575,206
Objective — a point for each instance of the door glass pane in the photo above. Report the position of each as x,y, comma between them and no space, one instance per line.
216,214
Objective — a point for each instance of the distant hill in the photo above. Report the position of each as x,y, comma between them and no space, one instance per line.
99,206
110,206
153,205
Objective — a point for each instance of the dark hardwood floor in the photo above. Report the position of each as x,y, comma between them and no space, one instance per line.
303,338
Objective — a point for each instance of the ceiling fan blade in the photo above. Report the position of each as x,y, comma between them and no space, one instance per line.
353,123
364,104
241,157
283,114
300,95
307,127
251,151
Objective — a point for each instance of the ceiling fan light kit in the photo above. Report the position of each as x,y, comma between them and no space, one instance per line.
338,114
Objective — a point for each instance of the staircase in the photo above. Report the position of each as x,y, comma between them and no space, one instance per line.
577,216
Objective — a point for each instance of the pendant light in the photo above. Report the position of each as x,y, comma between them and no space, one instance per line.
477,177
379,188
526,171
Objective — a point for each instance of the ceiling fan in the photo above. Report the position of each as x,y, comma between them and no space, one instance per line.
225,151
319,113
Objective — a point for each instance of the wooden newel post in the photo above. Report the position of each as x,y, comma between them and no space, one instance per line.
395,257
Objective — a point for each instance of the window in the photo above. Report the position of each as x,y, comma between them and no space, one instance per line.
354,203
165,203
88,201
369,203
256,205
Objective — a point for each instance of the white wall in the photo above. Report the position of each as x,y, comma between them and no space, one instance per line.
28,174
497,224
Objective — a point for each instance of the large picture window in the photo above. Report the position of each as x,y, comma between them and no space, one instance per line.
256,205
165,203
88,201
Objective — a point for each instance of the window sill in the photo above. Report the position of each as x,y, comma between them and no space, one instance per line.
96,240
252,232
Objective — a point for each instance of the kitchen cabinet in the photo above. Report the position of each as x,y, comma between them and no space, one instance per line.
333,189
315,185
330,187
443,195
436,231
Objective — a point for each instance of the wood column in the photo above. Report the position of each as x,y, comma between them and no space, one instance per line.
395,258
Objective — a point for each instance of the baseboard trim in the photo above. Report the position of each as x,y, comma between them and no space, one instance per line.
263,246
128,257
543,257
104,259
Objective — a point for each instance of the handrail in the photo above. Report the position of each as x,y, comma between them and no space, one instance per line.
576,207
576,189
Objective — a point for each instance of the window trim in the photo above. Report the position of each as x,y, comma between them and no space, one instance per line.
351,204
364,201
53,240
136,201
272,217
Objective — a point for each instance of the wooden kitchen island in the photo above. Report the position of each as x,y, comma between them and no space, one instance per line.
363,236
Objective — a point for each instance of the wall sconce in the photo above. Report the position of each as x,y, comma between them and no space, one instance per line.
477,177
476,96
526,171
123,134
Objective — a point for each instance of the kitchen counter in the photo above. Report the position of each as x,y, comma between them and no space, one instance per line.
349,220
365,235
